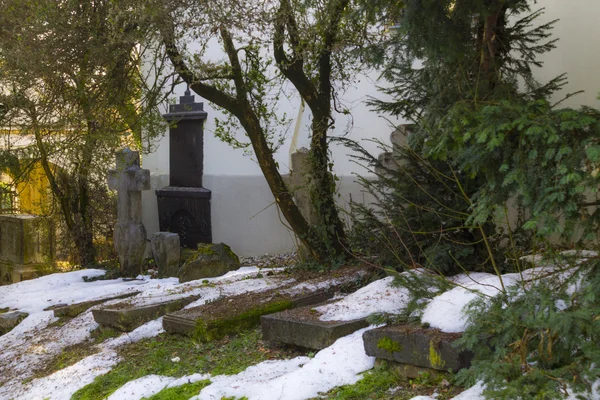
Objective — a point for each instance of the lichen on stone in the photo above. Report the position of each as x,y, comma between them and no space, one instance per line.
434,356
385,343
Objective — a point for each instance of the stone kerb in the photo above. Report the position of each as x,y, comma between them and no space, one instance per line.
302,327
415,346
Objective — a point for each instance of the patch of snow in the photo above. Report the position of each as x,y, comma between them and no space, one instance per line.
64,288
143,387
377,297
62,384
445,311
149,329
299,378
188,379
475,392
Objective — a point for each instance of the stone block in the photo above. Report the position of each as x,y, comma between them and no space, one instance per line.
11,319
417,346
302,327
166,252
126,317
210,260
73,310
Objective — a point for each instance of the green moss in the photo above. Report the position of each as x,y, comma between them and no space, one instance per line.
385,343
183,392
205,249
435,359
216,329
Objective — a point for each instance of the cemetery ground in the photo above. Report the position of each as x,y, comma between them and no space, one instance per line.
59,351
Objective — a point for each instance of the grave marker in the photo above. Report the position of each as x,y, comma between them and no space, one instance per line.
130,235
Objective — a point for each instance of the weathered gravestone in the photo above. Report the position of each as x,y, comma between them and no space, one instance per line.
166,253
208,261
130,235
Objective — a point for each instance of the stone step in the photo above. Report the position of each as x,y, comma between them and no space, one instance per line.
226,316
9,320
415,346
302,327
126,317
73,310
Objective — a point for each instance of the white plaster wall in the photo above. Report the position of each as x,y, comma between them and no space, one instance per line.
578,49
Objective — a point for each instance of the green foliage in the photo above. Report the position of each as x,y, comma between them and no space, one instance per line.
536,342
183,392
419,215
547,156
70,81
462,72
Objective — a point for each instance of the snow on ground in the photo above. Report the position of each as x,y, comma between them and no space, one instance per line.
377,297
143,387
62,384
445,311
295,379
32,342
30,345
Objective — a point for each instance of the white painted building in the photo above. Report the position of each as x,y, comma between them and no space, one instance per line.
243,211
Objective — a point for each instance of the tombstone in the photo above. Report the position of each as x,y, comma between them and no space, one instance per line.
166,253
130,235
298,182
184,206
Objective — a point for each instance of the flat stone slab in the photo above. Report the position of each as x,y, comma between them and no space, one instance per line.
302,327
230,315
127,317
9,320
73,310
417,346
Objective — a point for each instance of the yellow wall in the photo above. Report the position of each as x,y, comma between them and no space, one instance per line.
34,192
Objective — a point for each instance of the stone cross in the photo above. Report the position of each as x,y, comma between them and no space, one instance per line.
130,235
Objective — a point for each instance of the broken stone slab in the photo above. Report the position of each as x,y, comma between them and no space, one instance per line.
302,327
9,320
166,252
73,310
231,315
126,317
208,261
417,346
